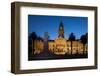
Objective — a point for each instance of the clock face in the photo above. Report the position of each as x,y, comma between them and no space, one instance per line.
60,27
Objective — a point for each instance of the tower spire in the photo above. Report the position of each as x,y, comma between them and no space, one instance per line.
61,30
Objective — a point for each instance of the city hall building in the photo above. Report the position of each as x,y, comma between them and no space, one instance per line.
59,46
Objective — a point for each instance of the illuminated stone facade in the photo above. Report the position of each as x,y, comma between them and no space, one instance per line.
60,46
63,46
38,46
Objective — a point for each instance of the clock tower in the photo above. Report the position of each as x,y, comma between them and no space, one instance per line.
61,30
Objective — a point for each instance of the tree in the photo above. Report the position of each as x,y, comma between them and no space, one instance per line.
72,38
33,35
31,38
39,38
84,39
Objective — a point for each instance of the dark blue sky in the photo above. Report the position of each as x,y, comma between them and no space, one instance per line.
50,24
